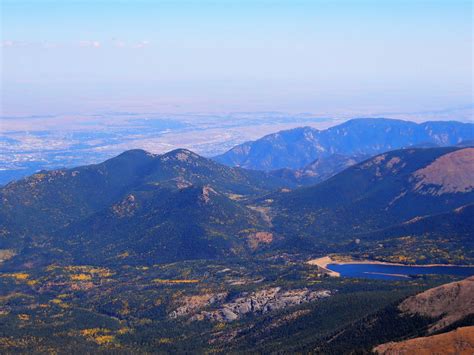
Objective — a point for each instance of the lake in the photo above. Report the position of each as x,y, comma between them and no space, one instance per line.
397,272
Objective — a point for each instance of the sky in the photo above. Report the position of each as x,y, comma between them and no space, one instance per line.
328,57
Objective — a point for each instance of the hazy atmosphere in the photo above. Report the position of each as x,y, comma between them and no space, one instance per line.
332,58
236,176
85,80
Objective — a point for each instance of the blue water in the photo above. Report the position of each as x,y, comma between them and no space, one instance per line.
392,272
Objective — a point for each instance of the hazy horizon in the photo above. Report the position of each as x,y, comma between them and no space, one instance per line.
82,81
334,59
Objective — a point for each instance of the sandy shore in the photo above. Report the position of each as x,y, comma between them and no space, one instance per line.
322,263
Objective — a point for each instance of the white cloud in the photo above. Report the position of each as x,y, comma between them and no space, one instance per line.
119,44
48,45
89,44
142,44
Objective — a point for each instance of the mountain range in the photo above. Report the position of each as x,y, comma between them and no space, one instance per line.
178,253
355,138
180,206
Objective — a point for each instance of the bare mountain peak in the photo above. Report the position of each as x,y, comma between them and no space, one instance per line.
450,173
181,154
135,153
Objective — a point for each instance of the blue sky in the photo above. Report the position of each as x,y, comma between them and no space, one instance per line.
295,56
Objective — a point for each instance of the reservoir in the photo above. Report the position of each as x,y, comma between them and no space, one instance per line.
397,272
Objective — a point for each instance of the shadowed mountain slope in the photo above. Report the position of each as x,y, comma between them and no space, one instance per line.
317,171
176,193
381,197
178,206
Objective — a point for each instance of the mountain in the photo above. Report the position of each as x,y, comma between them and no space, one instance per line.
317,171
447,305
177,196
51,199
298,147
388,195
177,253
439,318
445,237
68,194
152,226
180,206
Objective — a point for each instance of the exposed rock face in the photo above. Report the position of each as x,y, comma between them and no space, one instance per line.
451,302
191,304
450,173
126,207
182,183
254,240
384,165
261,302
183,155
206,193
459,342
6,254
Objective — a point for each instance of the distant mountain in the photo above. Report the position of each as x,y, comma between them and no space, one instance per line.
298,147
317,171
382,199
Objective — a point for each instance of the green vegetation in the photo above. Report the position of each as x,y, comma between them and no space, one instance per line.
98,258
88,308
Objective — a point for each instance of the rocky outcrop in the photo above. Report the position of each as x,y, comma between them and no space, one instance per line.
450,302
6,254
261,302
125,208
459,342
254,240
191,304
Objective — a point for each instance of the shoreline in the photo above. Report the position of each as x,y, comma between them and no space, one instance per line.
393,264
322,264
325,261
386,274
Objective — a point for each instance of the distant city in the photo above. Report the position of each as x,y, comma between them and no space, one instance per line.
32,143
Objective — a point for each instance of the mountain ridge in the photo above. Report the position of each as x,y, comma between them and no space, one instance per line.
363,136
351,210
195,201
